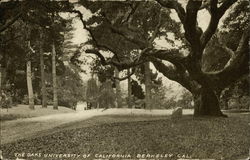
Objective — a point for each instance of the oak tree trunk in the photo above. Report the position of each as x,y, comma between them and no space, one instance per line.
29,85
43,85
92,93
147,86
118,90
206,103
55,99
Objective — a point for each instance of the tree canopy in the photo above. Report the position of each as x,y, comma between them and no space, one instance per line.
131,28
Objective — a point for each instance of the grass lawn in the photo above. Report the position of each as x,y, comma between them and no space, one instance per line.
23,111
194,137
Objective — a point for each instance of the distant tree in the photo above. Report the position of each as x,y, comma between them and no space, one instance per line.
118,89
92,93
71,88
106,95
147,85
152,83
12,66
137,90
55,97
185,100
29,77
129,100
43,84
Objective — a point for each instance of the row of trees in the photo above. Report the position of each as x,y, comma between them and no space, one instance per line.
36,51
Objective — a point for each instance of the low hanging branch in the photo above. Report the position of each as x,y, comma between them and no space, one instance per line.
98,54
120,65
172,73
126,77
174,56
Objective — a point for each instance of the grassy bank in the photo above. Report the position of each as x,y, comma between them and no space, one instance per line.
198,138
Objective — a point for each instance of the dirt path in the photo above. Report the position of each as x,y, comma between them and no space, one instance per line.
28,127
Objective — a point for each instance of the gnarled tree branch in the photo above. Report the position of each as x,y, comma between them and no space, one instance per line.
99,55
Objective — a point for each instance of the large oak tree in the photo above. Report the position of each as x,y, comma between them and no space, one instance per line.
131,28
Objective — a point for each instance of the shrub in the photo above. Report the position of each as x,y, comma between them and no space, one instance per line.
5,100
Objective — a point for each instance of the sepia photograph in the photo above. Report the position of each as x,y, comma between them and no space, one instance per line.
124,80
